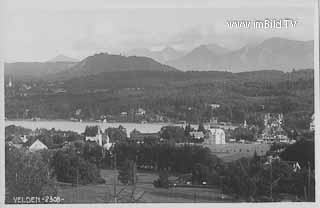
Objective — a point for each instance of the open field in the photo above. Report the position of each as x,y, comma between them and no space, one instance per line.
144,191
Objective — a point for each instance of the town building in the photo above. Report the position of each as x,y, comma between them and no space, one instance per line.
140,112
124,113
94,135
273,130
215,136
214,106
24,138
37,145
16,142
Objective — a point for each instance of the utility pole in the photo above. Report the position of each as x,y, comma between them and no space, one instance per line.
271,180
115,178
309,171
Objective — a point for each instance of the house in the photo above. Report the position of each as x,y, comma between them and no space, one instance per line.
16,142
141,137
215,136
196,134
214,106
37,145
123,113
93,134
78,112
140,112
24,138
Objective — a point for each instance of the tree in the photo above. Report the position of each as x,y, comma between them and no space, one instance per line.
201,128
127,172
163,180
302,152
26,174
91,131
70,167
92,152
200,173
173,133
116,134
243,133
187,130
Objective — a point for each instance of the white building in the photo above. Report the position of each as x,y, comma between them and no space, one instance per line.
214,106
140,112
97,137
215,136
37,145
24,138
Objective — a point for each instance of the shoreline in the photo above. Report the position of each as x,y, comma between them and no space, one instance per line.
101,122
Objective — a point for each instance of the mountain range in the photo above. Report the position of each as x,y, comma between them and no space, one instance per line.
271,54
63,58
164,55
275,53
35,70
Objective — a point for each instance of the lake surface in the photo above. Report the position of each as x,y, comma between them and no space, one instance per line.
80,126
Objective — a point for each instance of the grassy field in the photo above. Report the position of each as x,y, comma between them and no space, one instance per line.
144,192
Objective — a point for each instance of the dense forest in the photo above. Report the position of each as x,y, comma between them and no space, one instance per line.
173,95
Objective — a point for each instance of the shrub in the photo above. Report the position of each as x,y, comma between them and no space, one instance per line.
162,181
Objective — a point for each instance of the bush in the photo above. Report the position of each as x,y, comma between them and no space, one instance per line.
26,174
162,181
71,168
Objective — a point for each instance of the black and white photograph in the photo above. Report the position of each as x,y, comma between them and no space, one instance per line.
109,102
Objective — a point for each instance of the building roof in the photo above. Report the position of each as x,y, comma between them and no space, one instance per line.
216,131
37,145
16,140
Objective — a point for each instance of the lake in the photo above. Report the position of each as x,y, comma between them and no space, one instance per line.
79,127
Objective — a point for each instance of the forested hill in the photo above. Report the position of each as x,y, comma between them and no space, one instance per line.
104,62
146,79
175,95
35,70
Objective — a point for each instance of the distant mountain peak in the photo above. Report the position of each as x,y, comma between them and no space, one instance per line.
273,53
213,49
166,54
104,62
63,58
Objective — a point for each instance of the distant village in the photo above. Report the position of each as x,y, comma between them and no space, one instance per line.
218,136
184,154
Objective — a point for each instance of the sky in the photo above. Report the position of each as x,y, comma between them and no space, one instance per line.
38,30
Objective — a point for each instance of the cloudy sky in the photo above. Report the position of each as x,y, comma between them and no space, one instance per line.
38,30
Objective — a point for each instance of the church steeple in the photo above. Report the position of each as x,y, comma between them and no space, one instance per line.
10,82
